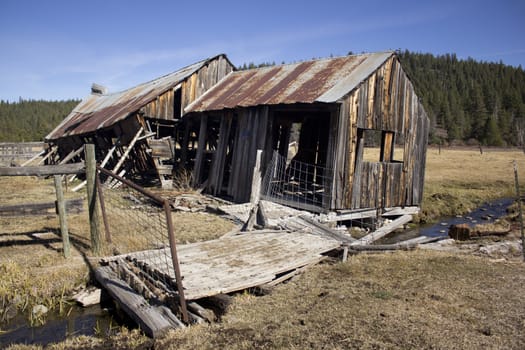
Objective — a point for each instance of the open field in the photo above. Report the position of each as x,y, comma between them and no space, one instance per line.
419,299
459,179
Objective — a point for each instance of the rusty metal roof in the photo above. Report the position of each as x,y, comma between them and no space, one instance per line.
98,111
324,80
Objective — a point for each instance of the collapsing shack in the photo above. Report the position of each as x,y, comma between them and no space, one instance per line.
302,131
134,131
313,122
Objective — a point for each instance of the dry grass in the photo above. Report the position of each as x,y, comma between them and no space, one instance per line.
407,300
31,252
459,180
417,300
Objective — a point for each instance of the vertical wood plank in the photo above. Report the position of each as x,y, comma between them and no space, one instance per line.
386,146
62,215
358,173
201,147
217,167
92,194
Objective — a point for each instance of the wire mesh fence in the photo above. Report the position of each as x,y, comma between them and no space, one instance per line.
297,184
139,225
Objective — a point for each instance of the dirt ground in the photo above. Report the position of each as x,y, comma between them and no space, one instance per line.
422,299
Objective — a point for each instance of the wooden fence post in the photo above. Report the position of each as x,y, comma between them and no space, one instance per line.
519,208
92,194
62,215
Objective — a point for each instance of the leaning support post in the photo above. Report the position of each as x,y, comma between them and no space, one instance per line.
91,173
103,207
518,196
175,260
62,215
256,181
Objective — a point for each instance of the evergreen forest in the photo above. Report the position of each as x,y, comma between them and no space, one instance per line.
468,102
31,120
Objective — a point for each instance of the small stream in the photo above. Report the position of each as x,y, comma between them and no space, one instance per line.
93,320
487,213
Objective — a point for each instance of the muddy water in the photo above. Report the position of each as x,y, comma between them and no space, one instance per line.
94,320
487,213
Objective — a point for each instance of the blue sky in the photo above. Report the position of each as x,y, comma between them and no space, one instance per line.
56,49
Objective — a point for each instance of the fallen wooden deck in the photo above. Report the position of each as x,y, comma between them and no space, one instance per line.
234,262
238,262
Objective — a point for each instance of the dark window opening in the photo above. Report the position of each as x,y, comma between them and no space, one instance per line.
177,104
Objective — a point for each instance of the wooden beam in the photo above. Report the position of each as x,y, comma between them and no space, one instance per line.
352,215
383,247
71,155
383,231
150,320
92,194
72,206
201,147
43,170
318,227
41,153
104,162
396,211
61,208
255,192
49,154
387,143
128,149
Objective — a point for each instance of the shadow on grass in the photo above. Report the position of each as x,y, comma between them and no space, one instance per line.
49,237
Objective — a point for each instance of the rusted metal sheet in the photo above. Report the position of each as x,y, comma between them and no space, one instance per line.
99,111
325,80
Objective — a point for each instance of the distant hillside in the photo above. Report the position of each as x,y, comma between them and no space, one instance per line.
31,120
469,101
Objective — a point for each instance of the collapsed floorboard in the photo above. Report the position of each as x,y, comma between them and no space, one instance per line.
238,262
235,262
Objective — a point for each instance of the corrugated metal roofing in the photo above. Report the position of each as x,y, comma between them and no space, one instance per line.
101,111
324,80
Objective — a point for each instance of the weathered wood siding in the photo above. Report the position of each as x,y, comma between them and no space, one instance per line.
251,135
202,80
385,101
163,107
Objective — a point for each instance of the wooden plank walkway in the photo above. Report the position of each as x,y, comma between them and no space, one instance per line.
238,262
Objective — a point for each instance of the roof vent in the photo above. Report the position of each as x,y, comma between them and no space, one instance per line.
97,89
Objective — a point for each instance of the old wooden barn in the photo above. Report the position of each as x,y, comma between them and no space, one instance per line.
134,131
342,136
313,122
341,133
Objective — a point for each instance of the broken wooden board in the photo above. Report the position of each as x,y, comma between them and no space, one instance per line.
88,297
276,214
237,262
151,320
48,208
44,170
383,230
